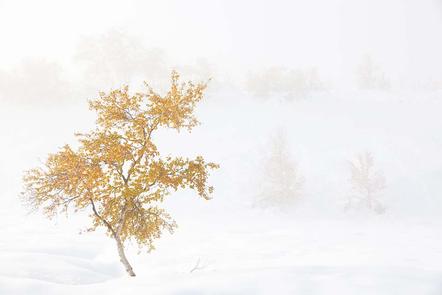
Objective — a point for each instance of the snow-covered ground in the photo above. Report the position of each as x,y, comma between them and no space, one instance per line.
313,248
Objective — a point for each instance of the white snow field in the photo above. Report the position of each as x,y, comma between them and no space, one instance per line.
225,245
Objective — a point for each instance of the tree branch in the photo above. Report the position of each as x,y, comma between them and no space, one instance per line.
108,225
122,219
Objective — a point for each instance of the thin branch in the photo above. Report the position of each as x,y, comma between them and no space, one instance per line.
108,225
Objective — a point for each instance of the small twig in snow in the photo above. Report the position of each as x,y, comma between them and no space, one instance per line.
198,266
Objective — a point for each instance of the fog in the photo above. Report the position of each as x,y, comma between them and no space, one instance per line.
301,95
143,38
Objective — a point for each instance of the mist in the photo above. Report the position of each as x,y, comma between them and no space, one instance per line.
309,105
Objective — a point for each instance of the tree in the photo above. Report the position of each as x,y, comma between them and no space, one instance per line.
370,75
288,84
367,184
117,170
281,183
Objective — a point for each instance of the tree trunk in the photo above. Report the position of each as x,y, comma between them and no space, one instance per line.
123,258
116,236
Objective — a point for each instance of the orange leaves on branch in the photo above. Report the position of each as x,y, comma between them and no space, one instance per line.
132,113
175,110
65,178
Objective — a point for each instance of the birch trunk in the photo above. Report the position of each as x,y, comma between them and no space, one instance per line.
116,236
120,245
123,258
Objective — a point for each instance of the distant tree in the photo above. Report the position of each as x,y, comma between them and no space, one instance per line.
366,183
285,83
370,75
281,183
432,85
117,56
117,171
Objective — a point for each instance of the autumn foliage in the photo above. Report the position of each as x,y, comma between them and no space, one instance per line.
117,172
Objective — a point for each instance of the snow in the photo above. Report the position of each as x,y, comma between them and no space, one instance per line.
276,255
314,248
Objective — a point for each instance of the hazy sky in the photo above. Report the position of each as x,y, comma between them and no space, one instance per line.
404,36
